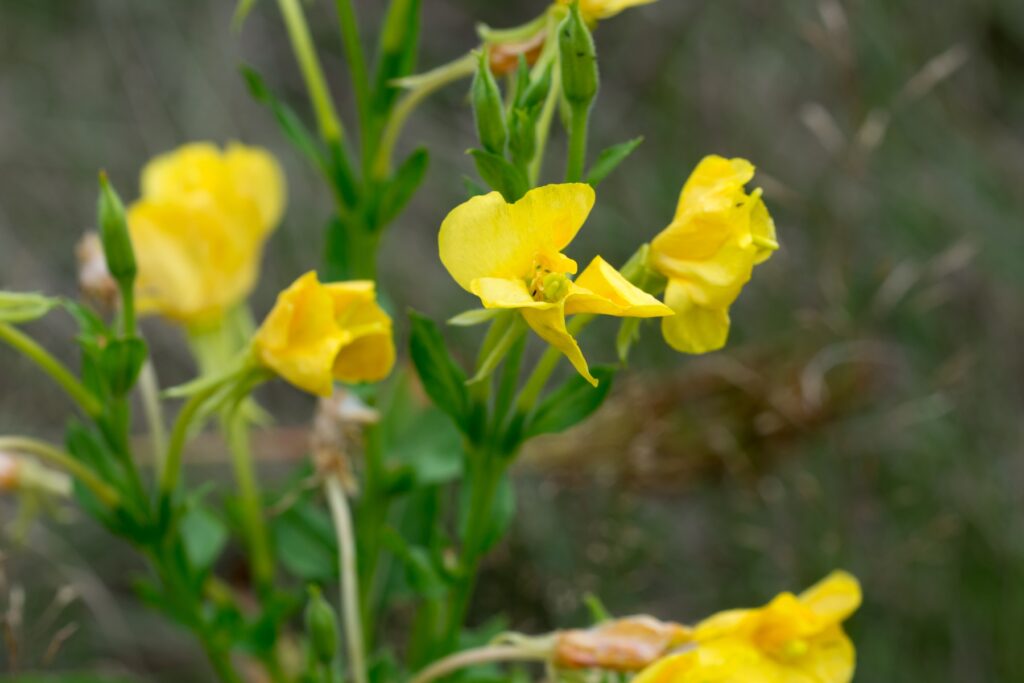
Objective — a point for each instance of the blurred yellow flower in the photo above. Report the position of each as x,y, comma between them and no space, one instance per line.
792,639
595,10
318,333
709,251
510,255
199,227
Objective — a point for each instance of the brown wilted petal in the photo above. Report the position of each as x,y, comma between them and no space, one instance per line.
628,644
504,57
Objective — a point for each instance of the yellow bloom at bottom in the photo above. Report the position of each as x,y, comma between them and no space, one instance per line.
318,333
792,639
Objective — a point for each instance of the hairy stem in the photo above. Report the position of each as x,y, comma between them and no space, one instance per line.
481,655
338,503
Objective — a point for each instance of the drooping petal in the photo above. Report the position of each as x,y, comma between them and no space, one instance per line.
693,328
834,598
715,282
602,289
486,237
502,293
549,324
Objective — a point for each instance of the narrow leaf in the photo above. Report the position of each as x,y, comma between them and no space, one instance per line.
403,185
500,174
443,379
570,404
610,158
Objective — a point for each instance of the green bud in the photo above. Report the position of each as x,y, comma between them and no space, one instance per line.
117,242
578,58
537,91
321,627
522,136
488,108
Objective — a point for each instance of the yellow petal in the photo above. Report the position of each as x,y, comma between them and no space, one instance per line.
255,174
602,289
549,324
693,328
488,238
834,598
762,230
830,659
501,293
194,167
730,660
368,355
714,184
194,260
593,10
300,338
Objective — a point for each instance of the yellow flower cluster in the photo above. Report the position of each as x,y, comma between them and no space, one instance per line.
318,333
792,639
510,255
709,251
199,227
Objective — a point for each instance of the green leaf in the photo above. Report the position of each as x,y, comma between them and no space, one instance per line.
443,379
305,542
23,307
503,511
397,47
204,535
291,125
629,333
500,174
425,579
403,185
609,159
121,362
570,404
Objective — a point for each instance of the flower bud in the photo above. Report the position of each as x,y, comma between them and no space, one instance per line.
117,242
321,627
578,59
627,644
10,472
488,109
522,139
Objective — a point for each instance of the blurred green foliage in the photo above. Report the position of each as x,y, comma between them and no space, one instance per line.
866,414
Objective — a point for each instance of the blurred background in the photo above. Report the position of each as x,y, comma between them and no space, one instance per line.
866,414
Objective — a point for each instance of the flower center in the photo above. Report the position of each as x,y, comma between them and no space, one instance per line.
545,285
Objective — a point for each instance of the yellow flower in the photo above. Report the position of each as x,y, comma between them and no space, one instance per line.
510,255
595,10
199,227
709,251
318,333
792,639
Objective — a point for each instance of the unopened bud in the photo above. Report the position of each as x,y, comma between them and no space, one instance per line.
488,108
321,627
578,58
522,138
117,242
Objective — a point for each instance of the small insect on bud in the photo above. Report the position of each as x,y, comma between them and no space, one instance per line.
117,242
321,627
488,108
578,58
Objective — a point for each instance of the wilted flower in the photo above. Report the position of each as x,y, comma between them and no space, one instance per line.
510,255
318,333
627,644
792,638
94,279
199,227
709,251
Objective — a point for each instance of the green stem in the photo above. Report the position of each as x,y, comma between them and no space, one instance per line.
149,392
53,367
482,655
356,58
305,53
55,456
338,503
128,308
236,430
422,87
578,119
179,436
